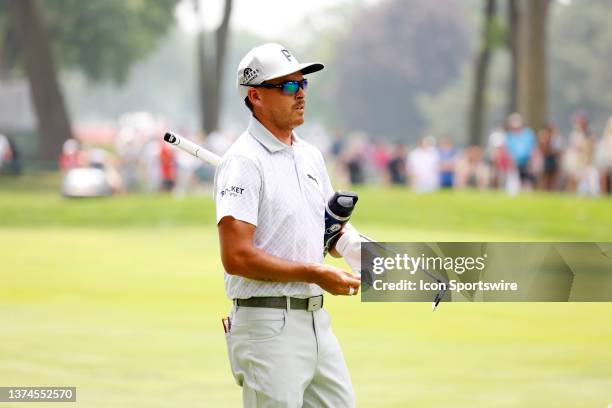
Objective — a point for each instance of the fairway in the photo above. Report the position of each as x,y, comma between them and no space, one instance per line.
123,297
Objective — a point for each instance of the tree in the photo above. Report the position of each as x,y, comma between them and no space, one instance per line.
580,48
531,61
53,122
512,41
393,53
103,38
210,69
481,71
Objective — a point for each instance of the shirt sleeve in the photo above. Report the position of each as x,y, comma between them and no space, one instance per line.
237,189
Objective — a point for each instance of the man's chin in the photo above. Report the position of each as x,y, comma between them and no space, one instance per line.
298,120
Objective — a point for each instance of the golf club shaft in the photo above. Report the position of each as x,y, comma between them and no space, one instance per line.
214,159
193,149
440,294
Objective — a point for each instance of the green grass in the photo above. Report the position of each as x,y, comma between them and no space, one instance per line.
394,214
122,297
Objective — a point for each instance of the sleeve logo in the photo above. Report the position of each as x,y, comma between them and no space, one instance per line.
232,191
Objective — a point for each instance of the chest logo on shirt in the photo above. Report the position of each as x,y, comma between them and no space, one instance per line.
310,176
232,191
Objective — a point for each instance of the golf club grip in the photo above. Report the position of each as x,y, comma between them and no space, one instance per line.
192,148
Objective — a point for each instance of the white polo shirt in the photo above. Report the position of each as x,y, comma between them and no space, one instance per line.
282,190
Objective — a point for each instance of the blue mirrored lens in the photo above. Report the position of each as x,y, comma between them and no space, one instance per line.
290,87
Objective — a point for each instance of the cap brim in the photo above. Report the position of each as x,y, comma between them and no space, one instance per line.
311,67
307,68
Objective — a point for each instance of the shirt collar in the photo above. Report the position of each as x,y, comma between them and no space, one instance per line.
266,138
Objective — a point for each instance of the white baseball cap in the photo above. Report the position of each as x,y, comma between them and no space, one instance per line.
267,62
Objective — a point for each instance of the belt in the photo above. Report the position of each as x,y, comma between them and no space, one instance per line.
310,304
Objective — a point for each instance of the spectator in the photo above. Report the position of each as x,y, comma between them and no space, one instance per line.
337,146
604,159
472,171
579,152
521,142
354,167
397,165
354,159
381,154
151,161
423,165
98,158
14,165
589,184
337,152
549,145
128,152
448,160
368,163
71,155
167,166
380,159
503,172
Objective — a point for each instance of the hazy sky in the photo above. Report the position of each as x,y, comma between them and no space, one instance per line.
269,18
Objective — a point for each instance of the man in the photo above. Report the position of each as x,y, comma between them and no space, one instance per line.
270,191
423,165
521,143
448,160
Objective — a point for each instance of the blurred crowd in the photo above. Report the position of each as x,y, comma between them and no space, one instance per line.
134,158
515,159
140,161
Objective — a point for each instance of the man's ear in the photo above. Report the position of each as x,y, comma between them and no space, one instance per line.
253,96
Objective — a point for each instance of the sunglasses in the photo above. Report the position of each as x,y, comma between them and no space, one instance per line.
288,87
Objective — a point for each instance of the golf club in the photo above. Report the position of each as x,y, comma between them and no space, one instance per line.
213,159
440,293
193,149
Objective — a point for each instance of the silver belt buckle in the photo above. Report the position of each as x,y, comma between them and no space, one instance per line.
315,303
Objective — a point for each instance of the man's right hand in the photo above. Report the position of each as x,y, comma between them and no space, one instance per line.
337,281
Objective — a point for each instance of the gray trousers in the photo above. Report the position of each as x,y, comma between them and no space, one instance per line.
287,358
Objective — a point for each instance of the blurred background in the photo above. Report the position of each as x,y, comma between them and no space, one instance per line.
471,120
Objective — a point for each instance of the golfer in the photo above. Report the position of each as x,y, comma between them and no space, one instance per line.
270,192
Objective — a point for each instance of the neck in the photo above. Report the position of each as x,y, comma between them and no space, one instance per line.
284,135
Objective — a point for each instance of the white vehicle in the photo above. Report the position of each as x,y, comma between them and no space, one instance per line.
86,182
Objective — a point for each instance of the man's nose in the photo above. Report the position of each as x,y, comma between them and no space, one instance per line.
300,94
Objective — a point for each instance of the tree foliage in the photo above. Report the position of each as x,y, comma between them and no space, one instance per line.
581,48
103,38
394,53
